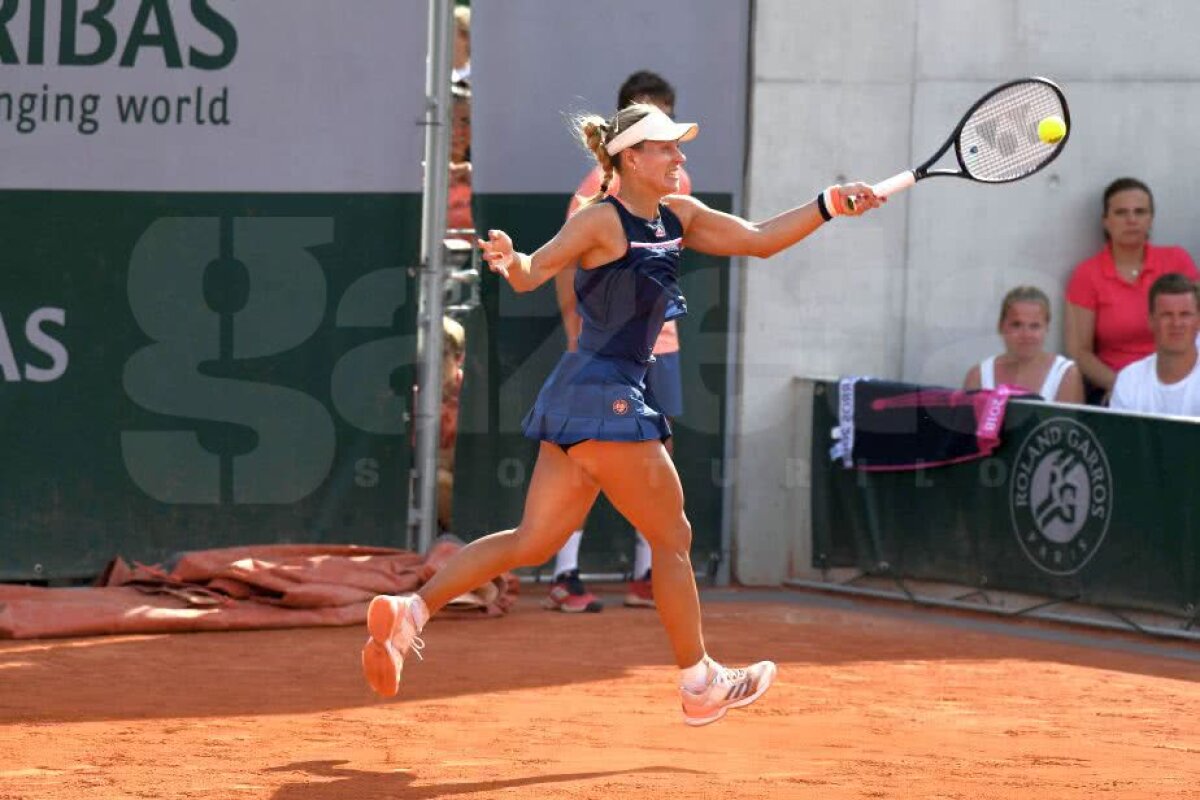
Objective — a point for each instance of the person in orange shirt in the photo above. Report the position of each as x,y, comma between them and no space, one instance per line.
568,592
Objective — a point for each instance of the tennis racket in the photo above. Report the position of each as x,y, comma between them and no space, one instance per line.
997,139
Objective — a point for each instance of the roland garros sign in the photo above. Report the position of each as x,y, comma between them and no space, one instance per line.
1061,495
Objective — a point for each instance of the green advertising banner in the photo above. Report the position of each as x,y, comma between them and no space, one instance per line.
186,371
210,213
1074,504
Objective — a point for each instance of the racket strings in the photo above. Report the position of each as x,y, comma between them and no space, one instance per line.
999,141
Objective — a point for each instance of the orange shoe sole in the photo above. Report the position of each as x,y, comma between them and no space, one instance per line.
380,662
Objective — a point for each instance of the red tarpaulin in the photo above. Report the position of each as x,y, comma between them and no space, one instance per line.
236,588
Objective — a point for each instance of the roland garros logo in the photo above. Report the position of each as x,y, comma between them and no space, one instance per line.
1061,498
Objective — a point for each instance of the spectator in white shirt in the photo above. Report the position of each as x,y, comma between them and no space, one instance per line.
1168,381
1024,320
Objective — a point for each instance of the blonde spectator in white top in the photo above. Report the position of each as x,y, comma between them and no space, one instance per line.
1168,381
1024,320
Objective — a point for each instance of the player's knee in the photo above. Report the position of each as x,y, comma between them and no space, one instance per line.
534,546
685,536
678,537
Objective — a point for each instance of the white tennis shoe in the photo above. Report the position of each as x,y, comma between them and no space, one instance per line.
727,688
393,635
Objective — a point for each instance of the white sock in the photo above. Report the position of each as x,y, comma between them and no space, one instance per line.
695,677
420,612
642,557
568,555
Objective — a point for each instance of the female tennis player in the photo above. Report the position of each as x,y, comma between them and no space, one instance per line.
599,432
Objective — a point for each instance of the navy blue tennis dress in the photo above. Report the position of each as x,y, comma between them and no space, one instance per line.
599,391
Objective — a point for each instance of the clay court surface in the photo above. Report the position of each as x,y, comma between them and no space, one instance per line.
873,700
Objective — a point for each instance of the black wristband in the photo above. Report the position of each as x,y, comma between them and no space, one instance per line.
825,215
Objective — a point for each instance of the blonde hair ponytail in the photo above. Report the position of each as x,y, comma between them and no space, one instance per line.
594,134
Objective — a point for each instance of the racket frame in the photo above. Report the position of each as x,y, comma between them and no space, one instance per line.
907,178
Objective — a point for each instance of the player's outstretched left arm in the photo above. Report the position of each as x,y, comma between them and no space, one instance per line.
721,234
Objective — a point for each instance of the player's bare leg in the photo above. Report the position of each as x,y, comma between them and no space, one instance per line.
560,495
641,482
640,591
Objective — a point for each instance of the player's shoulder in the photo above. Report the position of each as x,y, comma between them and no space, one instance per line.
595,215
683,200
683,206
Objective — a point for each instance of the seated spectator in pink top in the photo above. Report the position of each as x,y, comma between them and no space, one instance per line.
1107,294
1168,380
1024,320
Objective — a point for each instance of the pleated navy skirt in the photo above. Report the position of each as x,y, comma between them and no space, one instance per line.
589,396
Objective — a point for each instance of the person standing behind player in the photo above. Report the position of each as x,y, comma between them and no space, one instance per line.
597,430
663,376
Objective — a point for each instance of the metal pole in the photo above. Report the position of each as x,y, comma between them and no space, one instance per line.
734,369
427,420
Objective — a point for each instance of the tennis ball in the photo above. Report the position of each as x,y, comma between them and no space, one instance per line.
1052,129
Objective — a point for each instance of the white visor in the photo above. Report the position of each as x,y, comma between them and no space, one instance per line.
654,127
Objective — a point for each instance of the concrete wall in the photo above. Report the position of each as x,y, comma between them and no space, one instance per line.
537,63
911,292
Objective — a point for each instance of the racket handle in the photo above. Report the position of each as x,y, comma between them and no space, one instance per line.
895,183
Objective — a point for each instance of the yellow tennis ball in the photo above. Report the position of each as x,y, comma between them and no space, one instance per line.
1052,129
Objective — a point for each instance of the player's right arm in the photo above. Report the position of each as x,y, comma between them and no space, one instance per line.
717,233
590,237
564,282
